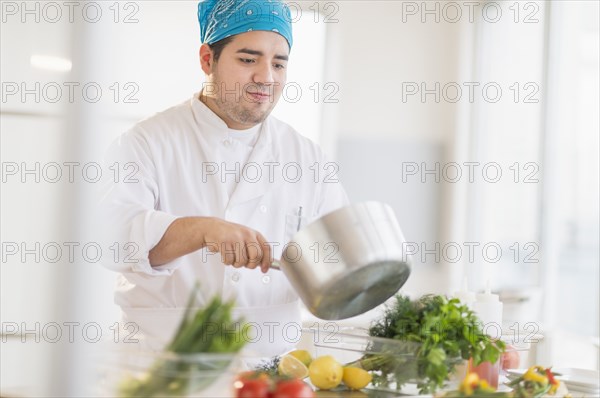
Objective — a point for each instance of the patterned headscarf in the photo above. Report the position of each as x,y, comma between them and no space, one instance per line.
223,18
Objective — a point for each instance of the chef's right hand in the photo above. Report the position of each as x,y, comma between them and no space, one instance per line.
239,246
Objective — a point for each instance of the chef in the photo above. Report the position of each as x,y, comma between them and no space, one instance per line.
220,186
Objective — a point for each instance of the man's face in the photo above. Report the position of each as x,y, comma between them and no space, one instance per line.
244,85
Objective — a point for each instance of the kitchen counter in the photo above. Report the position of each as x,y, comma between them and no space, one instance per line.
24,375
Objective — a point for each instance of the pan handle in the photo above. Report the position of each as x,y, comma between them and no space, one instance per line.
276,265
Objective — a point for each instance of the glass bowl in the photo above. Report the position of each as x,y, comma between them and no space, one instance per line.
399,369
134,373
521,349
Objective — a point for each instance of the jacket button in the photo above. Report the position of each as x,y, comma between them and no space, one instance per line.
235,277
266,279
263,208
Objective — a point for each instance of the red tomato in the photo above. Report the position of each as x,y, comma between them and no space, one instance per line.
294,388
253,388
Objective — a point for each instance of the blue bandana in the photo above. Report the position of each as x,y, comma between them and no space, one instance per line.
223,18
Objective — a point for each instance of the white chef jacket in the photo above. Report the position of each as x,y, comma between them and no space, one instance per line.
181,157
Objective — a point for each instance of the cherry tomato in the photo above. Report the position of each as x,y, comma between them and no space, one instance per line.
252,388
293,388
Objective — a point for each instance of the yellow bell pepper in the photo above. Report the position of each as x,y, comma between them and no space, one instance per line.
485,387
533,375
469,384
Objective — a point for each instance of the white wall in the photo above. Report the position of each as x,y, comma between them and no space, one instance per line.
379,52
378,130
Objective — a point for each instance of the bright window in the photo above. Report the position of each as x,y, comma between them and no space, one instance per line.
548,147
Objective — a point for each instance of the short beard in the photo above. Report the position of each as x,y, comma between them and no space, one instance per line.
237,112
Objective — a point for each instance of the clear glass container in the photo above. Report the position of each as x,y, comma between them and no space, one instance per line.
135,373
399,369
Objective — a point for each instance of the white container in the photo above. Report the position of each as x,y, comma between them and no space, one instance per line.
488,308
465,296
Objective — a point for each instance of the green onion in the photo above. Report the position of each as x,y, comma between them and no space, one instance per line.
208,330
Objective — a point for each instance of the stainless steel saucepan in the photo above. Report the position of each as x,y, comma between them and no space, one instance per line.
347,262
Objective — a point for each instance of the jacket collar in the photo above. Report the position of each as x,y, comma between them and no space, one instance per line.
261,156
210,122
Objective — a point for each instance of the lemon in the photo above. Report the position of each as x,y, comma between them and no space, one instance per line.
325,372
292,367
302,355
356,378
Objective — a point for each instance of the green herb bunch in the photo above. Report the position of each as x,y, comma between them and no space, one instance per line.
179,371
436,334
270,367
